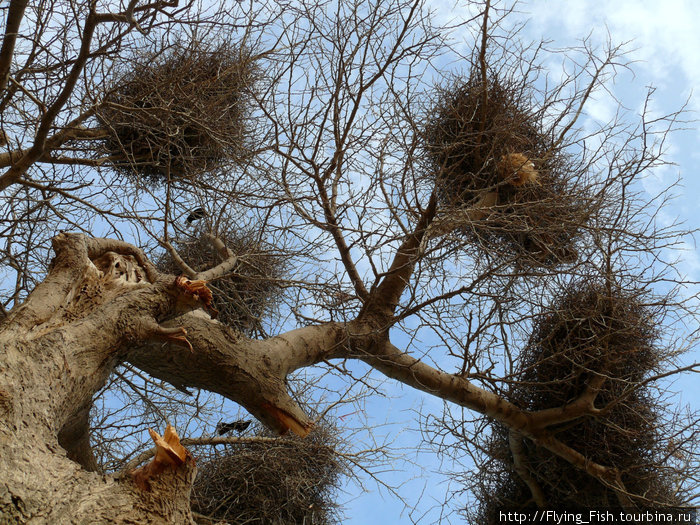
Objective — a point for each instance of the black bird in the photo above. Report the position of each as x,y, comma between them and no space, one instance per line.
235,426
195,215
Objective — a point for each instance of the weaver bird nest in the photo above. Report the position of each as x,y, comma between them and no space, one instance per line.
179,113
501,178
591,331
245,295
290,480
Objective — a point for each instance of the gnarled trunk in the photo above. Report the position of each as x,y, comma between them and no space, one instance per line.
101,303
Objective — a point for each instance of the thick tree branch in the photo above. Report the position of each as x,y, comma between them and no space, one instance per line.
515,441
394,363
252,373
71,263
228,265
582,405
385,297
247,371
400,366
187,270
15,13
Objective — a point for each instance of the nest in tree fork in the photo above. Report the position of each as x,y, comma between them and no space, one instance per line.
499,175
248,293
592,329
289,480
179,113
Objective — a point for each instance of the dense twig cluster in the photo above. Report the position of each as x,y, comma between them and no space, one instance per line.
290,480
179,113
244,295
593,328
500,173
594,332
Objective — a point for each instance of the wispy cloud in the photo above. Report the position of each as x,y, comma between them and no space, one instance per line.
664,35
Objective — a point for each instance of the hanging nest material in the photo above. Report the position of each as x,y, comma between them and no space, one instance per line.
250,291
500,178
291,480
591,330
179,113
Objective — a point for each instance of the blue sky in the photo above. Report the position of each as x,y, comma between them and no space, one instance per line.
662,40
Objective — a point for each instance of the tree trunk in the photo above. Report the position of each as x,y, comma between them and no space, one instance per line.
58,349
100,300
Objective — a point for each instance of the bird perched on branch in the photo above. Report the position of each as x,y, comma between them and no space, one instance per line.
195,215
235,426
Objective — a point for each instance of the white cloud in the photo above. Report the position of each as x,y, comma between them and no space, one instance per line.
663,35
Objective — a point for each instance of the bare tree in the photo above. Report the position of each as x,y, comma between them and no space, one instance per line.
409,200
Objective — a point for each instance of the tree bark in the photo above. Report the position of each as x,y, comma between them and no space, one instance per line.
58,349
100,304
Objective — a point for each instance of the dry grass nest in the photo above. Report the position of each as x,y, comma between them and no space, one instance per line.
250,291
590,330
592,327
500,174
292,480
182,112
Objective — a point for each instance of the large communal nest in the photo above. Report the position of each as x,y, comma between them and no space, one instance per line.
500,176
593,329
246,294
179,113
290,480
